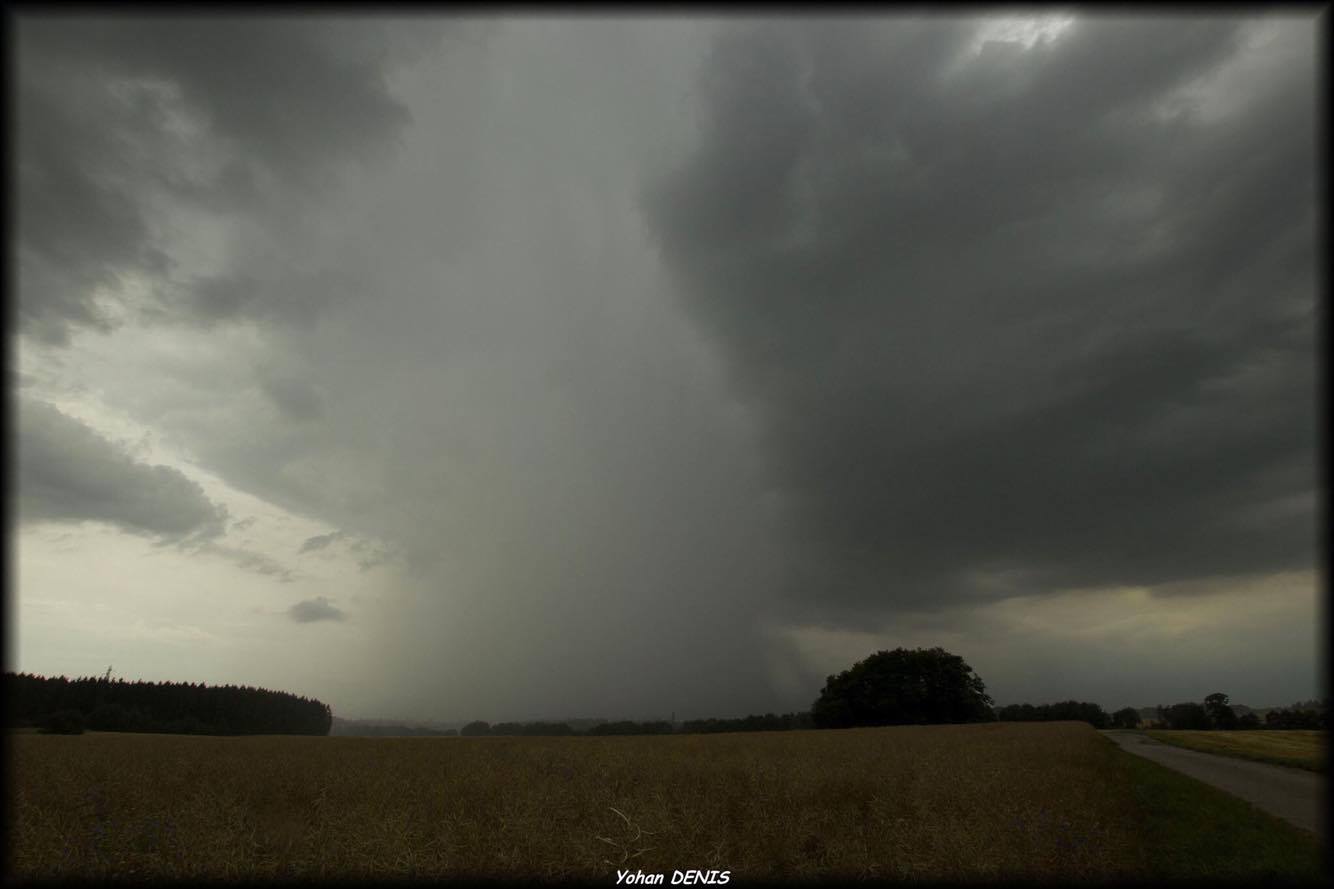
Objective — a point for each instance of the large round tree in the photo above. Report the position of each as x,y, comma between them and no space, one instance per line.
903,687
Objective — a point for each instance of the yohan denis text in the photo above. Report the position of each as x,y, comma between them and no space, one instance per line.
679,878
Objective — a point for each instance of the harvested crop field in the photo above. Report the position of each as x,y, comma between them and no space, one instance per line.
1297,748
1004,801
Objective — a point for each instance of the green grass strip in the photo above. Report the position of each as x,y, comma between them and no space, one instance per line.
1192,831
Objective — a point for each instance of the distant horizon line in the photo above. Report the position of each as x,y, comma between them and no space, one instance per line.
451,723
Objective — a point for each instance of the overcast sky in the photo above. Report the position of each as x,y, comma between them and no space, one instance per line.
515,368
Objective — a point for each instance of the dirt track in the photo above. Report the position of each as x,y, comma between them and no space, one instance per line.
1295,795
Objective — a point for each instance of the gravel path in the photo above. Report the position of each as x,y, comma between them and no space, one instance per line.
1295,795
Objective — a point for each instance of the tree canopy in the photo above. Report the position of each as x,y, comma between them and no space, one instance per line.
903,687
1126,717
1220,712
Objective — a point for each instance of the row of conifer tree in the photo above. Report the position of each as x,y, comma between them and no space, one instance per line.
101,703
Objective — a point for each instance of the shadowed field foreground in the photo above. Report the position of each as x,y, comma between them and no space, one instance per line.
1051,800
1303,749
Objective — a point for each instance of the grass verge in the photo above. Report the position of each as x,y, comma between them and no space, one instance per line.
1191,831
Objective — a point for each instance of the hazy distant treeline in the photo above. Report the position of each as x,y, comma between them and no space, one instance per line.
391,730
766,723
1217,713
103,704
769,722
1306,715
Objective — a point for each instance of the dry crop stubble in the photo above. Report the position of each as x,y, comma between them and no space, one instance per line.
936,802
1300,748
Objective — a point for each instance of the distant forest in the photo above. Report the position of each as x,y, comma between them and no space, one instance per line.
104,704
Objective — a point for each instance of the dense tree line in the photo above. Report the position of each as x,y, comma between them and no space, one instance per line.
1074,711
1187,716
1216,713
105,704
1296,717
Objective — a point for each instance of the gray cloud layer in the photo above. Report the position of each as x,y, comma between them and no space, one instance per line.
66,472
119,119
1005,317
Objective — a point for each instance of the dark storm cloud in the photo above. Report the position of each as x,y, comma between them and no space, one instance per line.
316,609
117,115
68,473
1012,315
319,542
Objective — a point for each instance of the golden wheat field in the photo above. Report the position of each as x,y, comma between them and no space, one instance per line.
938,802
